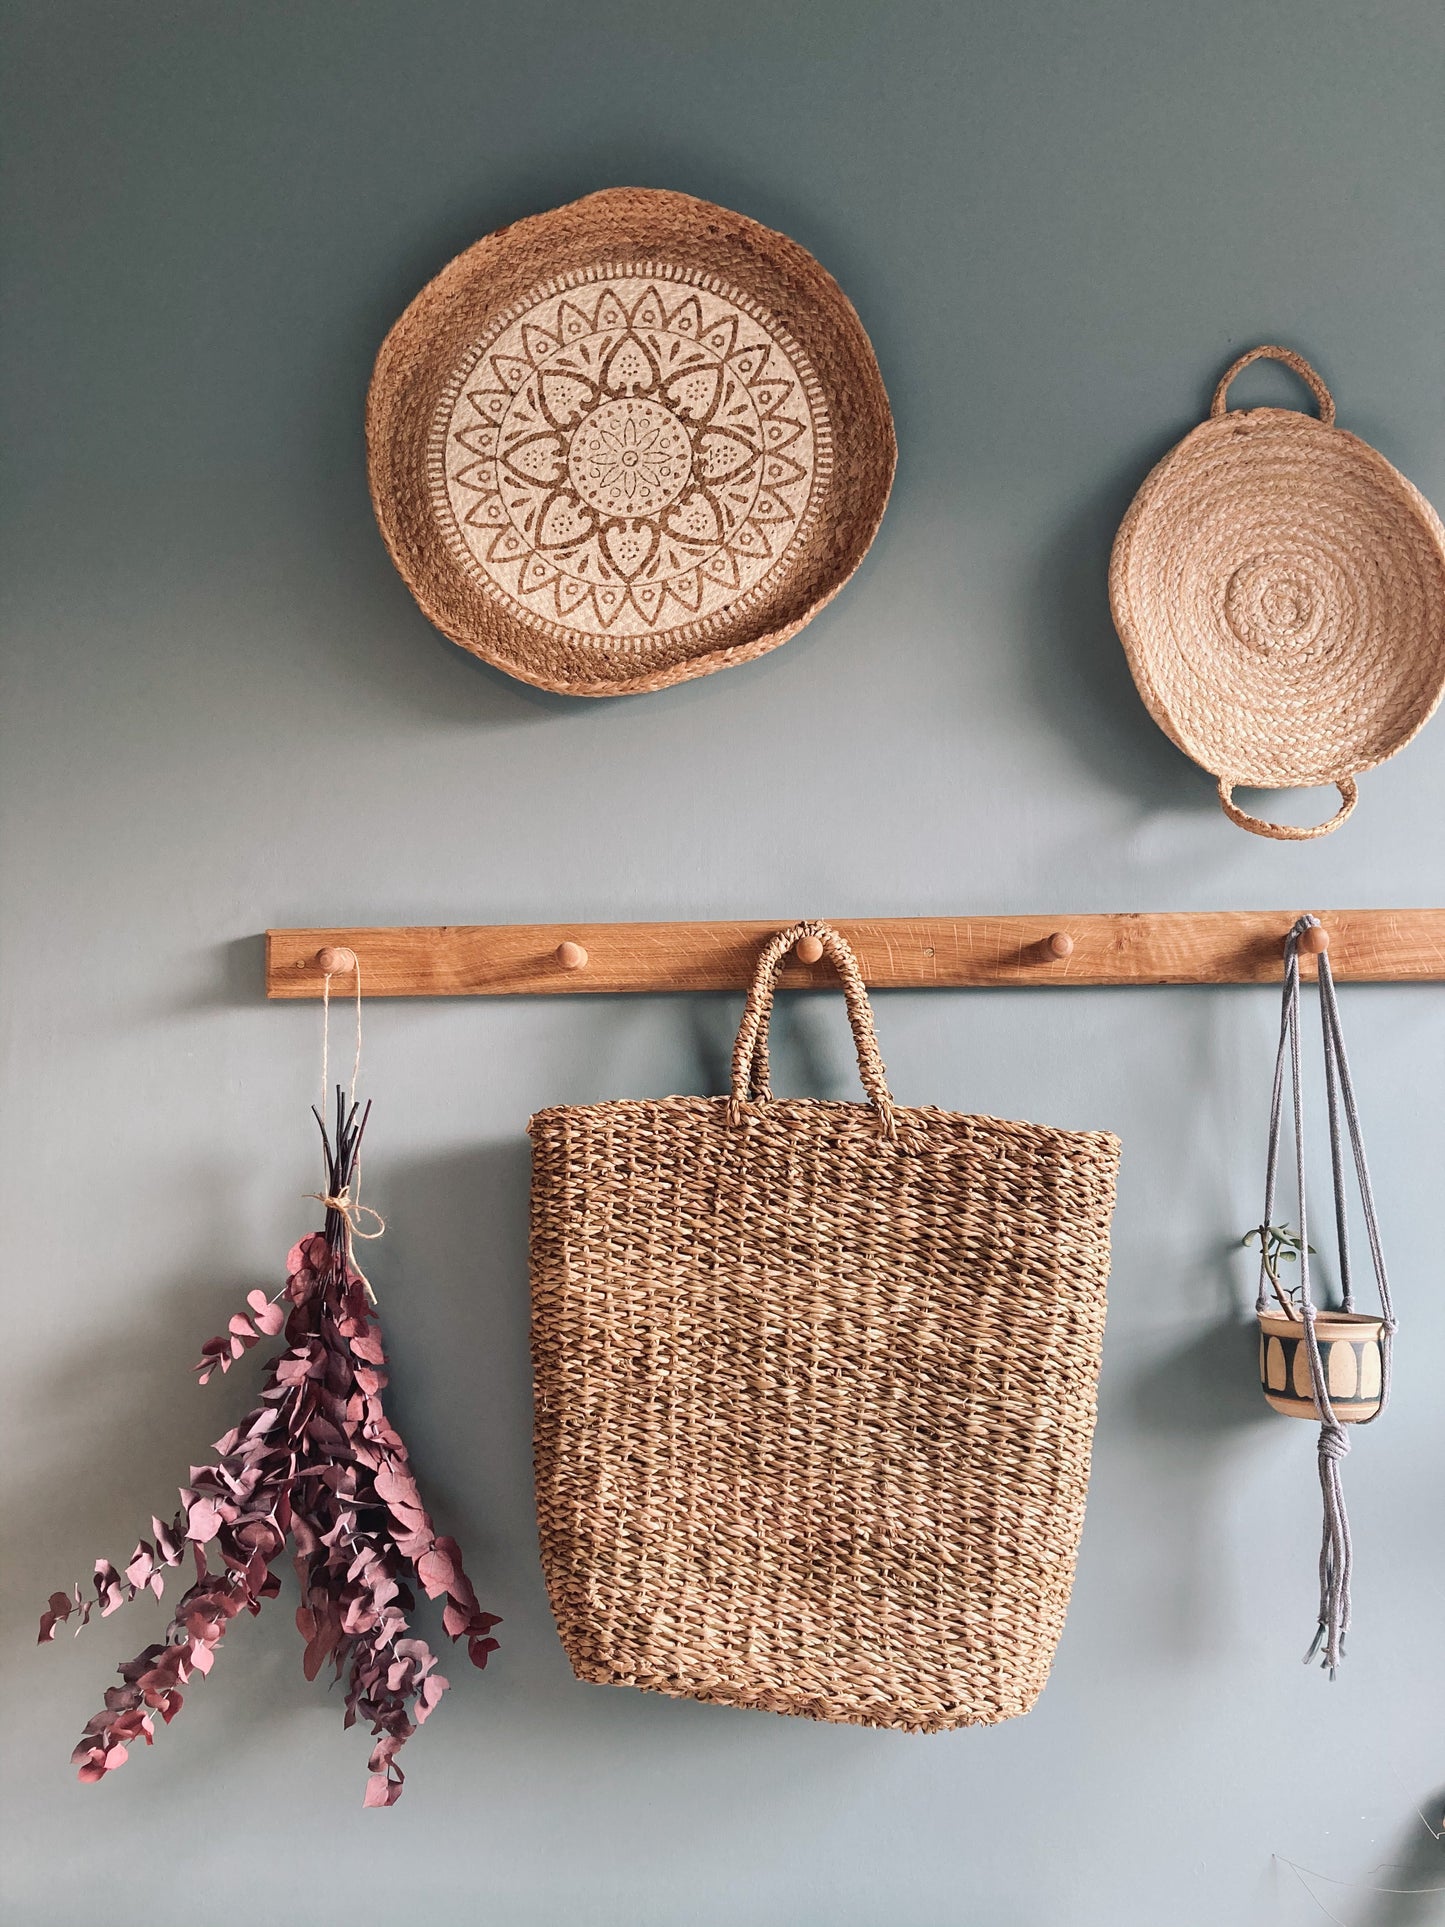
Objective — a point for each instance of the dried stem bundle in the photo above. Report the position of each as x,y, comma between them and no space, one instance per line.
316,1461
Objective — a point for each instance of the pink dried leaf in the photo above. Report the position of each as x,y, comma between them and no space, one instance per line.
432,1688
437,1569
109,1592
203,1522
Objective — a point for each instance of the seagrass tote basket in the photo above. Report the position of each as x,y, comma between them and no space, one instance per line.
815,1389
1279,589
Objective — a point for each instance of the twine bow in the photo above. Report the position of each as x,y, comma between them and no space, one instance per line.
350,1210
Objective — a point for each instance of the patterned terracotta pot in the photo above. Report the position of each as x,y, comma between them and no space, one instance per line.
1350,1347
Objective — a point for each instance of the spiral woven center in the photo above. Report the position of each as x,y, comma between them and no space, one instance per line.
1273,604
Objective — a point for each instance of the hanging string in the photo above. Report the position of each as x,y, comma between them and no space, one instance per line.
326,1037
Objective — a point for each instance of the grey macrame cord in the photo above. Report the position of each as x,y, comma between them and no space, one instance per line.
1334,1442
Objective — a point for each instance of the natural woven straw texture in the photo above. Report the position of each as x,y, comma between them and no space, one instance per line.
630,441
815,1389
1280,591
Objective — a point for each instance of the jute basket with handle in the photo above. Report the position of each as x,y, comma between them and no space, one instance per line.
815,1389
1279,589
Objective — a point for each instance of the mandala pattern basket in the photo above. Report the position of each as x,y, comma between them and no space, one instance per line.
815,1389
1280,591
627,442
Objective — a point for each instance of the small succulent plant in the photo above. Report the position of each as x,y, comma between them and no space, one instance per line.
1278,1245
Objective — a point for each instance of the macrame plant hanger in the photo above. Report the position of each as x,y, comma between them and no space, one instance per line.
1334,1440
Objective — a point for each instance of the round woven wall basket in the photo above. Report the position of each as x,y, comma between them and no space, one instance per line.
627,442
1280,591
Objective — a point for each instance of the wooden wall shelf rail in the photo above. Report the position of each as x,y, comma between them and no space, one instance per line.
895,953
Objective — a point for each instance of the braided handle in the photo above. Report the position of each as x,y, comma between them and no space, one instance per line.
750,1053
1289,832
1290,359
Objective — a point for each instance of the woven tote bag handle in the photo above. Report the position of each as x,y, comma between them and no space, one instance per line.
1301,367
1289,832
750,1053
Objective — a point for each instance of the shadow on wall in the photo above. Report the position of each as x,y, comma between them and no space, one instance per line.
1081,676
1418,1869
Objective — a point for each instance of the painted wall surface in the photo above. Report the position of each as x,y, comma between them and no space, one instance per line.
222,710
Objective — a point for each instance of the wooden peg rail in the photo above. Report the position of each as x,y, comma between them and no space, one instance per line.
895,953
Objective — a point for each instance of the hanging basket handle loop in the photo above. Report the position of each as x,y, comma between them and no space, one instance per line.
1290,359
750,1053
1289,832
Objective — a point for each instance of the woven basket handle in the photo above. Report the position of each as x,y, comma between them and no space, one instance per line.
1291,360
1289,832
750,1053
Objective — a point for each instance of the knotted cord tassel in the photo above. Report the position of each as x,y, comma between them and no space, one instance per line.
1336,1554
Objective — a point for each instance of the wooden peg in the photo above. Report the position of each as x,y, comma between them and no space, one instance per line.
571,956
810,950
335,960
1061,944
1314,941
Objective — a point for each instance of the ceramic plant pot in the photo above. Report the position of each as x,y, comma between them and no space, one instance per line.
1350,1346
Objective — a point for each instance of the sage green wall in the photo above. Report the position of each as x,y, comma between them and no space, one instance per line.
222,711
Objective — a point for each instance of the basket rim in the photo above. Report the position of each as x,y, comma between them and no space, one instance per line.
818,1108
1278,1325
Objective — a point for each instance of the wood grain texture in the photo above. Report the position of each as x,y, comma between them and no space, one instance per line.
895,953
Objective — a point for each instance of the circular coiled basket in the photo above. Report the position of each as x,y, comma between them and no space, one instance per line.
1279,590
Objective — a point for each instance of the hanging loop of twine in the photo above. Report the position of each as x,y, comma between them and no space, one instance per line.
326,1039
